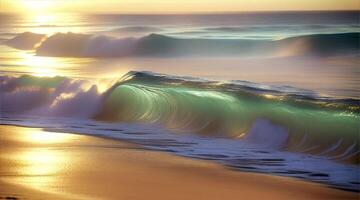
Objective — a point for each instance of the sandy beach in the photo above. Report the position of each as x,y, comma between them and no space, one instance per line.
36,164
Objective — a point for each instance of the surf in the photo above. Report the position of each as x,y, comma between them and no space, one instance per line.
282,118
92,45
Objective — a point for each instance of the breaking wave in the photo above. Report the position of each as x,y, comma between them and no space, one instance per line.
137,29
25,41
86,45
276,117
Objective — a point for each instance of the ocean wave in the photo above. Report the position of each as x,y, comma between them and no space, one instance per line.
86,45
82,45
263,115
137,29
25,41
324,44
53,96
328,28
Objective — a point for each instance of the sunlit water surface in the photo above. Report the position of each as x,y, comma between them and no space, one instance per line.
331,76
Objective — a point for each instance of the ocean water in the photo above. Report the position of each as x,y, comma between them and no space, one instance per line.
263,92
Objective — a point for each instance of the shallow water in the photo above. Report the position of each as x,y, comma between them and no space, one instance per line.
236,154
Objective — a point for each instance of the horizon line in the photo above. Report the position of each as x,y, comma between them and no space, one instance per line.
190,13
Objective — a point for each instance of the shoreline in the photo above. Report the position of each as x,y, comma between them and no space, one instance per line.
37,164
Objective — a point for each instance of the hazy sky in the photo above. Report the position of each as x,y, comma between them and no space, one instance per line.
171,6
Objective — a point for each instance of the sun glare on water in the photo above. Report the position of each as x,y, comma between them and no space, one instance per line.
43,66
51,23
40,66
38,165
39,18
37,136
44,19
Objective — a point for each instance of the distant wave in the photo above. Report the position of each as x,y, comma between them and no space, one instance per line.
25,41
85,45
82,45
273,117
324,44
138,29
289,28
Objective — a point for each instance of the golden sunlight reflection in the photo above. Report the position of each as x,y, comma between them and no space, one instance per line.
39,136
44,19
38,159
41,66
41,161
49,24
46,66
38,165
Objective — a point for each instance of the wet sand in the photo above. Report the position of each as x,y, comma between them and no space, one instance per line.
35,164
